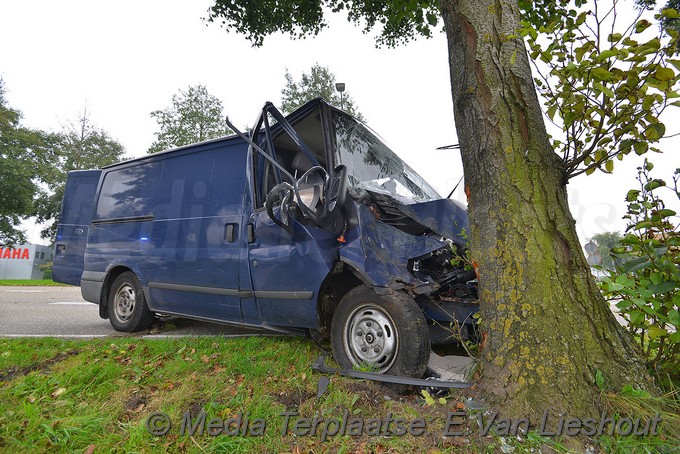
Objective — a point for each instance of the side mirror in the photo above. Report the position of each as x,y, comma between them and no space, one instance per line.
319,197
310,191
282,194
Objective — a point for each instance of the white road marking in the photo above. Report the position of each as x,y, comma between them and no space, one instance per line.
24,291
74,303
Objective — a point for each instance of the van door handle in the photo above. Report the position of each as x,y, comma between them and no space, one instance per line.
230,232
251,233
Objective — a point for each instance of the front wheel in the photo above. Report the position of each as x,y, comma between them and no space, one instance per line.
384,333
127,306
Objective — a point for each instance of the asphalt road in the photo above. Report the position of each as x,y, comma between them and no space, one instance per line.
62,312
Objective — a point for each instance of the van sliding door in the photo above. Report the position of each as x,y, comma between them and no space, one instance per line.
197,234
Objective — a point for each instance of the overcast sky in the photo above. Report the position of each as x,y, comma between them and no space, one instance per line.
127,58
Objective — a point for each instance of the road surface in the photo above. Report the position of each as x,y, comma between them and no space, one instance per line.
62,312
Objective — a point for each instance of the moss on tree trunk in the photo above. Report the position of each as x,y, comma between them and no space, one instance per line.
547,329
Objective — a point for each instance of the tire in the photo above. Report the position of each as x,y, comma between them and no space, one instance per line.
386,332
127,305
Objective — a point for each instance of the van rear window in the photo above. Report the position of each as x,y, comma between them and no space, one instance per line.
128,192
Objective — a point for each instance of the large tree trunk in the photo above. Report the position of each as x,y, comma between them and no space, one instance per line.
546,328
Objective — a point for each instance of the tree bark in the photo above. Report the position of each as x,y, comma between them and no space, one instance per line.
546,328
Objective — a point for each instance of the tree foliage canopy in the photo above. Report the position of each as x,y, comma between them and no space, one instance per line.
195,116
400,20
606,241
20,151
605,79
318,83
81,145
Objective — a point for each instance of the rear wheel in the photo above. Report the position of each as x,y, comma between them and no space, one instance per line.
127,305
384,333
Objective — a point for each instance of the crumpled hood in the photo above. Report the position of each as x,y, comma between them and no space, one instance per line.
380,252
445,217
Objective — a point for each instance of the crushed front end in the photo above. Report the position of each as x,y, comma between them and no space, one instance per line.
419,248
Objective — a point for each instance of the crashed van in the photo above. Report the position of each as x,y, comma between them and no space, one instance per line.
308,224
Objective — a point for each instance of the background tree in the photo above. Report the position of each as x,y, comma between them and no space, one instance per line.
547,334
319,83
19,149
81,145
195,116
607,241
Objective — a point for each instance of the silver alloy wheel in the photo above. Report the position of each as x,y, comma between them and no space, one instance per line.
124,302
370,337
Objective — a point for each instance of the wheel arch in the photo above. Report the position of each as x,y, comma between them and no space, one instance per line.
334,287
111,275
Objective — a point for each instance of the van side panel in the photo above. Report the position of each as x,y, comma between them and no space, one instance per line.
74,221
121,226
198,235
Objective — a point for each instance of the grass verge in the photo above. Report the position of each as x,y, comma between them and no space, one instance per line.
31,283
76,396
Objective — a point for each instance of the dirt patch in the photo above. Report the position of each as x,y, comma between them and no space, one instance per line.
373,395
292,400
136,402
43,366
196,407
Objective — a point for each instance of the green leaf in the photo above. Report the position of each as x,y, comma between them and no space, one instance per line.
609,166
625,281
551,111
607,91
675,63
636,317
632,195
641,148
599,379
429,400
635,265
664,213
642,26
674,317
653,184
655,332
601,73
624,304
663,287
655,131
644,225
569,117
670,13
608,54
664,74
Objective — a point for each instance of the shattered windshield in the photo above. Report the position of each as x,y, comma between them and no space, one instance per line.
372,166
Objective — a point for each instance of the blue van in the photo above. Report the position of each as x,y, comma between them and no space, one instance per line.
308,225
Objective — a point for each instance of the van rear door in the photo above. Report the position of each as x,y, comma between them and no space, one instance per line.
74,221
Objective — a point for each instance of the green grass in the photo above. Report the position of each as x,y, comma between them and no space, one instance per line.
31,283
67,395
